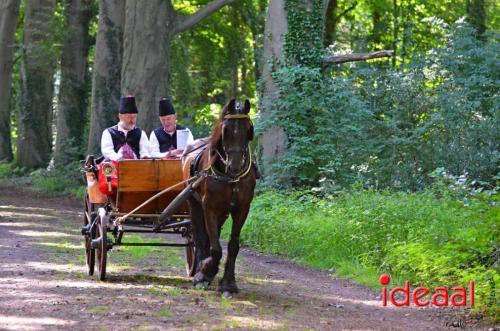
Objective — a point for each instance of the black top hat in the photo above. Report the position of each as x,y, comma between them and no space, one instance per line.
127,105
165,107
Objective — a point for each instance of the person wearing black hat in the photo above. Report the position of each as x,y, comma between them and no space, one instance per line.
124,140
170,139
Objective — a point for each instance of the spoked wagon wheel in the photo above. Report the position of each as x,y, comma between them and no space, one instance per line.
87,221
190,254
101,248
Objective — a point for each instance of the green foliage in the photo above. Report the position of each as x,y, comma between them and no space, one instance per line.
9,170
439,111
214,61
432,241
5,170
304,39
392,127
407,27
324,122
61,180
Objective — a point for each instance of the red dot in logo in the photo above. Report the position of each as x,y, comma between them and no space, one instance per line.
385,279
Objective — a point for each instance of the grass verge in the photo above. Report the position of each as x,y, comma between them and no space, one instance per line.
431,240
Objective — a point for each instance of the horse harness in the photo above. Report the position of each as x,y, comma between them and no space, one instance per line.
220,176
211,171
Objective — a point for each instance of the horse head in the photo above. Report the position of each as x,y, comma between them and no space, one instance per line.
236,132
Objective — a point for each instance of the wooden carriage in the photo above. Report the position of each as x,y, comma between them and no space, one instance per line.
108,218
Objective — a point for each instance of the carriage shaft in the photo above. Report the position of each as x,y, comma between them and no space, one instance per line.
154,244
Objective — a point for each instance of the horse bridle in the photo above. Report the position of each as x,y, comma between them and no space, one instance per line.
225,160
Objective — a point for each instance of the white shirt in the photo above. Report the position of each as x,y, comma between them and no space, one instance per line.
108,150
154,145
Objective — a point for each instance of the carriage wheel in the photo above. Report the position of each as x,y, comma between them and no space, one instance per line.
101,248
190,254
89,251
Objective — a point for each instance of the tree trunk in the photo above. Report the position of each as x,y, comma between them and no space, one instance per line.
34,143
377,27
476,16
107,71
330,22
234,93
395,28
147,37
332,19
254,18
73,91
8,23
273,142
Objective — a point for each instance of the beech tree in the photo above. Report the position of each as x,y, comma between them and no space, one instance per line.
107,70
72,105
273,141
34,141
9,11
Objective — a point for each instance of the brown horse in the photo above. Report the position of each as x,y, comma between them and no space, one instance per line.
228,188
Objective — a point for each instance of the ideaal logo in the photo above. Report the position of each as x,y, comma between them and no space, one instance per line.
440,297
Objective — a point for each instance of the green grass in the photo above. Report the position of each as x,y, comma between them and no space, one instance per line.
169,291
99,310
165,312
428,240
139,252
171,256
62,247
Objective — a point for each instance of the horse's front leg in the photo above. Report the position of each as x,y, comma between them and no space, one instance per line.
228,282
199,232
210,265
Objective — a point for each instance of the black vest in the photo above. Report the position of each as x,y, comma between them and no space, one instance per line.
165,140
132,139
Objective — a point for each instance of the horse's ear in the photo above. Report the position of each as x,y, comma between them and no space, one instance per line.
246,110
230,106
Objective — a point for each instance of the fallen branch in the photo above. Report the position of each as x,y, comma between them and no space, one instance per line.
336,59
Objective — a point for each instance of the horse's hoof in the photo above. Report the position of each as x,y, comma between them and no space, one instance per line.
227,294
201,285
229,287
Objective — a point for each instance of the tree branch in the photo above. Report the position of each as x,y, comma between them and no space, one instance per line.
336,59
339,16
189,21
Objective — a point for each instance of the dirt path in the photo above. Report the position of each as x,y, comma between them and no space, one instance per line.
44,285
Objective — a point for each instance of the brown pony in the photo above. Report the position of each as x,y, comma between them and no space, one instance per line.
228,188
